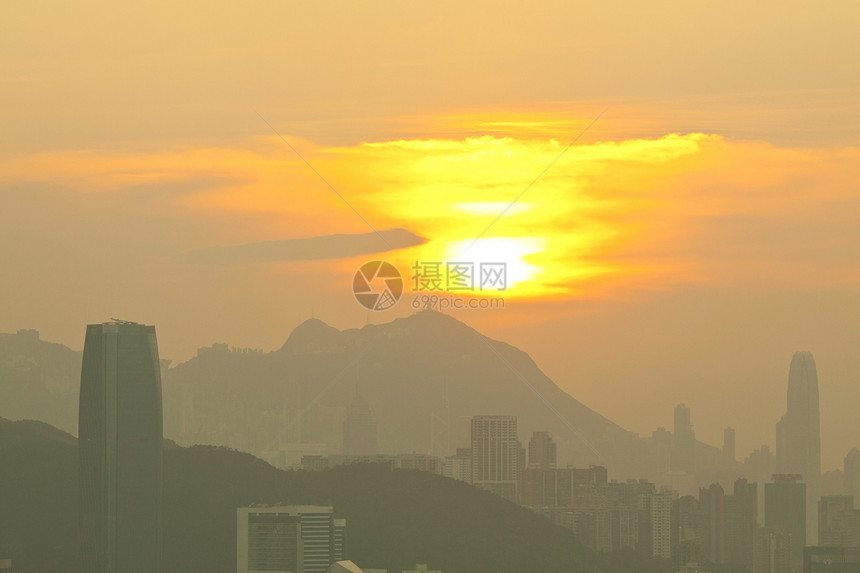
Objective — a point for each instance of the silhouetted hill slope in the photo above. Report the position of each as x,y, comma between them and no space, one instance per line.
395,518
419,374
38,496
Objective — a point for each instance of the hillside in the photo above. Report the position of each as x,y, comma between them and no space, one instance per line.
395,518
424,377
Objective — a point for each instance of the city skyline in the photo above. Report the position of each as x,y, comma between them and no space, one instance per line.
740,455
751,431
500,464
701,226
511,286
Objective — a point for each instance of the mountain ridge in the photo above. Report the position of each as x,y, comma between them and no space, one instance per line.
429,363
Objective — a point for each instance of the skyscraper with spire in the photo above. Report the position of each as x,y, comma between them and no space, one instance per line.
798,433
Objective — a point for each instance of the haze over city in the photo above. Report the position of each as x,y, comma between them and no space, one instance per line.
672,188
702,230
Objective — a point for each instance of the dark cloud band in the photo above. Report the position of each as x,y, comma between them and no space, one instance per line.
306,249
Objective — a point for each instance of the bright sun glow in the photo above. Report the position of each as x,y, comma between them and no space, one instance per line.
510,251
545,229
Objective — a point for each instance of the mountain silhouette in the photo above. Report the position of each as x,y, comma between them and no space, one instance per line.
424,377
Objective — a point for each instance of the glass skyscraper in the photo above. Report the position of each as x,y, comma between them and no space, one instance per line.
798,435
119,441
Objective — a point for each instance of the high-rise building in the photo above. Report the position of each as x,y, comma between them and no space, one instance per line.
660,510
785,511
119,445
293,538
542,451
660,455
495,453
712,523
838,522
741,524
851,474
683,441
268,539
798,433
686,543
359,429
724,526
547,488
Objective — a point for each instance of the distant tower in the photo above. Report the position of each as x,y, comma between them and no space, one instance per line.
851,472
683,441
542,451
798,434
729,444
359,429
495,452
119,445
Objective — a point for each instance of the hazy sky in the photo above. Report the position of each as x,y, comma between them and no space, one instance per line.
701,231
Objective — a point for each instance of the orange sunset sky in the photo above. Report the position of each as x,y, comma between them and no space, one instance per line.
701,230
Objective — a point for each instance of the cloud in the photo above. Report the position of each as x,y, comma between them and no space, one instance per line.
612,218
311,248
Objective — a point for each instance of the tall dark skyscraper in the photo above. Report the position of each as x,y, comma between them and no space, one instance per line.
120,438
798,433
